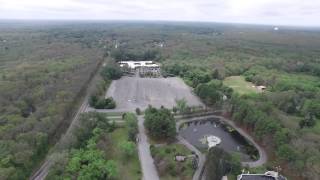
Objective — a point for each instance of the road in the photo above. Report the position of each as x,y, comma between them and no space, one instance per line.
149,170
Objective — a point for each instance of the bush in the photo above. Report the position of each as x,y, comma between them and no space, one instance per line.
108,103
132,125
138,111
127,148
111,72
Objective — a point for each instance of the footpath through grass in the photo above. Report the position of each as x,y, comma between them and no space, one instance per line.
240,85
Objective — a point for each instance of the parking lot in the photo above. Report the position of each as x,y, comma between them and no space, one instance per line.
132,92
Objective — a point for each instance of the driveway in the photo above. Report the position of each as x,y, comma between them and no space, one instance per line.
148,168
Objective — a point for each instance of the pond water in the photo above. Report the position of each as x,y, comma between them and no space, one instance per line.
231,140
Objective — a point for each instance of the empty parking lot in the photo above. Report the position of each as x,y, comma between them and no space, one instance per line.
132,92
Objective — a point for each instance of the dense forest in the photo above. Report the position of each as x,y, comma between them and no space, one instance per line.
44,71
45,68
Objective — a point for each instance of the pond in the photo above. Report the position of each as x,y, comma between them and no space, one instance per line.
231,141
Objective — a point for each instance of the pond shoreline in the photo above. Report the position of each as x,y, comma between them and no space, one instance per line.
262,154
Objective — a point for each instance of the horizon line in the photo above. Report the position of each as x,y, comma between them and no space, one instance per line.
157,20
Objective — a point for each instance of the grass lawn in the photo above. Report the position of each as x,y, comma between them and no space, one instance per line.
114,113
173,170
240,85
316,128
127,168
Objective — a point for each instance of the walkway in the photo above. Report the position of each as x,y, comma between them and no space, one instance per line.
202,158
148,168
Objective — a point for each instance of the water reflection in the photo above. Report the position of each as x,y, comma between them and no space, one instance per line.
232,141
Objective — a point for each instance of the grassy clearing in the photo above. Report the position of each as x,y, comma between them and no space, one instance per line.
240,85
168,168
114,118
316,128
114,113
127,168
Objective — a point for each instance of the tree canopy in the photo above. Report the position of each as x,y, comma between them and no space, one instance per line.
220,163
160,123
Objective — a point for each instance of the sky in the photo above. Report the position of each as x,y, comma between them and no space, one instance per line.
273,12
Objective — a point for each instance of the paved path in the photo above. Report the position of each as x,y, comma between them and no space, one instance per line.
148,168
202,158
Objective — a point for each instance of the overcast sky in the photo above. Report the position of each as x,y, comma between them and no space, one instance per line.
275,12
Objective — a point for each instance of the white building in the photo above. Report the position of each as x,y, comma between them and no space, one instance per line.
269,175
138,64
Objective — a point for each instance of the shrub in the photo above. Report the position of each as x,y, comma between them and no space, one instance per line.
108,103
138,111
132,125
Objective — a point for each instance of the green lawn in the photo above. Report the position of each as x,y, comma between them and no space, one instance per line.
166,155
127,168
114,113
240,85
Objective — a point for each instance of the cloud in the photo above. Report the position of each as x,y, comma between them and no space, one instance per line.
287,12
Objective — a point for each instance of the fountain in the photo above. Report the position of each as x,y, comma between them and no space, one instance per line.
213,141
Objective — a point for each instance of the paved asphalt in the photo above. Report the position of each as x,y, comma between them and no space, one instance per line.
148,168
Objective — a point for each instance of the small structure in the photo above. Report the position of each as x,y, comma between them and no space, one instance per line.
213,141
224,178
180,158
269,175
224,97
261,88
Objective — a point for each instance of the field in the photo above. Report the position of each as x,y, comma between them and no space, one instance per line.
132,92
164,156
127,168
240,85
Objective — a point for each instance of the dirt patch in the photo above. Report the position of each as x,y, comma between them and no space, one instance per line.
132,92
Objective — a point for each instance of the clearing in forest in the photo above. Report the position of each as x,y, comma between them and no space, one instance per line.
240,85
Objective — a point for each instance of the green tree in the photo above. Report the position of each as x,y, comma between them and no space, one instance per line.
222,164
308,121
286,152
128,148
111,72
182,105
132,124
160,123
312,107
212,92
